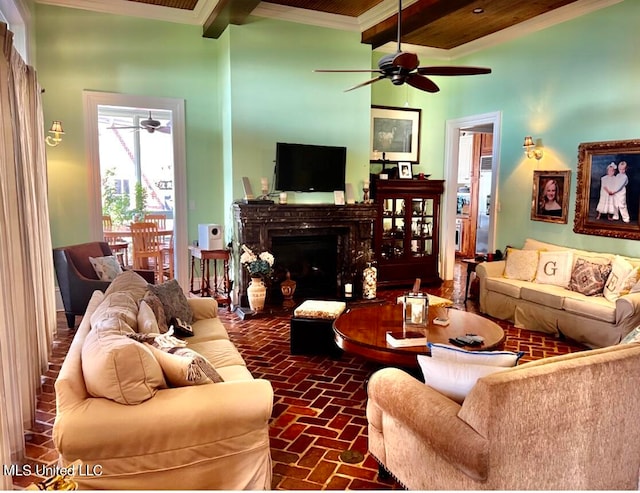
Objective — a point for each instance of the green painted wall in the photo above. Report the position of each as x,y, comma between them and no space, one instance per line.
276,97
244,92
78,50
571,83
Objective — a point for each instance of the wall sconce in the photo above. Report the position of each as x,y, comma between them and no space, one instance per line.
532,150
57,131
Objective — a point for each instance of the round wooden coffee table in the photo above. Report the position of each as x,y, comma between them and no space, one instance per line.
363,331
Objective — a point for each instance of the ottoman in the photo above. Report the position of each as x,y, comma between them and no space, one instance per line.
311,330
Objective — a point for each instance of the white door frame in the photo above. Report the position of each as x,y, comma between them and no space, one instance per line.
452,140
91,100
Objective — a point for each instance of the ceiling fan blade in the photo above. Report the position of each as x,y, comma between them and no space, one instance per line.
364,83
164,130
453,70
422,83
113,127
347,70
407,61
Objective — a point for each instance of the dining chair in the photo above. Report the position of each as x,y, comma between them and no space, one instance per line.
118,246
146,248
166,240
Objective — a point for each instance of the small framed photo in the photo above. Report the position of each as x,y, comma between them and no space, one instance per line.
404,171
338,197
550,198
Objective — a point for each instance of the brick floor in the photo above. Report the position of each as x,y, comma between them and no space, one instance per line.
319,402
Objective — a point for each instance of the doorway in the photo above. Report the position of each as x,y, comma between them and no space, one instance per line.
165,192
486,204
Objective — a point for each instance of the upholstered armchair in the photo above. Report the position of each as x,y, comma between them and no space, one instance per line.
564,423
77,278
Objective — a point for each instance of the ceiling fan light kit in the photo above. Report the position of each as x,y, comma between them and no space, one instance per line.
401,67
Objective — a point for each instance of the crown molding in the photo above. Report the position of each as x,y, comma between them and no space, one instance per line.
197,16
544,21
304,16
377,14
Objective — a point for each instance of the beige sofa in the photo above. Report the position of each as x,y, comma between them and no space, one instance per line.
564,423
592,320
212,436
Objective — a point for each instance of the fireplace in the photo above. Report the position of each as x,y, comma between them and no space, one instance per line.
316,243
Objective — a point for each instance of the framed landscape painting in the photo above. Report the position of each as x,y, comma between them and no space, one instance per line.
550,199
608,189
395,134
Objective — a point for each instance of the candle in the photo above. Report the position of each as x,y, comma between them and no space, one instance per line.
264,182
366,184
348,290
283,197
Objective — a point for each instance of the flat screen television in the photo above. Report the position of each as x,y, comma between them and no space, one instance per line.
310,168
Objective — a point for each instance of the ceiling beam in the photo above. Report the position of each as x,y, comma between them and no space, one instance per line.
414,17
227,12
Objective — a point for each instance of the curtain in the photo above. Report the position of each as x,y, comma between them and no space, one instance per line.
27,286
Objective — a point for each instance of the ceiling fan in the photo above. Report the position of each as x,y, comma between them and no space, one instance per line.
401,67
149,124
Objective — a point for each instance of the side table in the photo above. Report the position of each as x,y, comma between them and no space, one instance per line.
220,295
472,263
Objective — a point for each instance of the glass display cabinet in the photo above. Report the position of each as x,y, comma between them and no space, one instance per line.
406,232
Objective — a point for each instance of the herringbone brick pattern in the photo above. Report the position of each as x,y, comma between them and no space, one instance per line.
319,408
319,402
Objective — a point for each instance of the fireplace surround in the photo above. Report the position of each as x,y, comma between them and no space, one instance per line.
304,235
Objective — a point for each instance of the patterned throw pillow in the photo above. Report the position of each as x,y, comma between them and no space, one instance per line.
521,264
622,278
183,366
158,310
589,278
631,337
173,300
555,268
107,268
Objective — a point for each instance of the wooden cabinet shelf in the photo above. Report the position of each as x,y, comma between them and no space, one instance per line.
406,231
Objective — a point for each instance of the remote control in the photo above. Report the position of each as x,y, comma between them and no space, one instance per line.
441,321
457,342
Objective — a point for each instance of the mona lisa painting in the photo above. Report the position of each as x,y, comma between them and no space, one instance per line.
550,198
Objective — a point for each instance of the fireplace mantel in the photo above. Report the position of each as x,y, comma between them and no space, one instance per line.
255,225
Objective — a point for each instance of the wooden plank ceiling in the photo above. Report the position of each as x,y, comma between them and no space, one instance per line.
442,24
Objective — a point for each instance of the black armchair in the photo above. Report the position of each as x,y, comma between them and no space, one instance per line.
77,278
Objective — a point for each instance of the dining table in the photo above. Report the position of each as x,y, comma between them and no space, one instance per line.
124,232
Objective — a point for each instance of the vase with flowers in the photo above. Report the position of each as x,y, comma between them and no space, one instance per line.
259,267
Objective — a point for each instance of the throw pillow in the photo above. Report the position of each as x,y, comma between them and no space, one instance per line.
118,368
555,268
118,305
459,355
183,366
158,310
622,278
631,337
521,264
173,300
147,323
453,379
128,281
588,278
107,268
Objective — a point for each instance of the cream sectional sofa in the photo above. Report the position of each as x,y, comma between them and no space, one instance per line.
212,436
592,320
